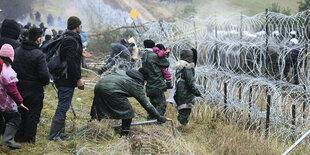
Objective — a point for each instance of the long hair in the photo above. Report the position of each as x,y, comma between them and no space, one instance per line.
6,60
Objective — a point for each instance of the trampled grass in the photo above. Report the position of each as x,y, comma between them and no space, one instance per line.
207,136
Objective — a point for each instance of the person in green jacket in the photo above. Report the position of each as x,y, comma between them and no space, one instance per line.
186,89
111,94
156,85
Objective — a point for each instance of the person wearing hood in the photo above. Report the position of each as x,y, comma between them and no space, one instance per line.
10,98
10,32
71,52
185,87
48,38
156,85
111,94
32,72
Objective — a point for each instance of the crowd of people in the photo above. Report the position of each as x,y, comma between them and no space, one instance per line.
24,71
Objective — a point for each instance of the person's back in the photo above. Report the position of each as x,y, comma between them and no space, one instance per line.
156,86
9,33
31,67
153,63
186,89
32,72
71,52
9,98
119,82
111,94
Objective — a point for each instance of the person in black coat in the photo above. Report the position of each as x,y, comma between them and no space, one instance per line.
9,33
70,51
32,73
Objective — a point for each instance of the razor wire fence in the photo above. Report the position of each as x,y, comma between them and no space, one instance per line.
251,70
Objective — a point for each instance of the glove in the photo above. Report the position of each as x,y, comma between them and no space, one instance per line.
161,119
100,71
169,84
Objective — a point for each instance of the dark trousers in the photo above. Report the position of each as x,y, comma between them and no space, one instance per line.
159,103
10,117
33,99
2,124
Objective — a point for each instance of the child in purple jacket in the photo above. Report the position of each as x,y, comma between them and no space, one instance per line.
9,97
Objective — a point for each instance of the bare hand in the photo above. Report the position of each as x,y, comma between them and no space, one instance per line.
81,84
168,50
202,96
23,106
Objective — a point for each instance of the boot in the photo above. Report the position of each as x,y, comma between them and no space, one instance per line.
125,127
8,137
57,127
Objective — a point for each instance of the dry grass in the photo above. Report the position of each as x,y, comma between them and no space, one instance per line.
208,136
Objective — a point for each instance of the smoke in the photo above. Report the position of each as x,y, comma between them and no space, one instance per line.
15,8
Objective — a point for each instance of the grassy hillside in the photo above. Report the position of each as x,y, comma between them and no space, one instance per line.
224,8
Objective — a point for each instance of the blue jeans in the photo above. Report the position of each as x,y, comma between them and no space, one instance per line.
65,95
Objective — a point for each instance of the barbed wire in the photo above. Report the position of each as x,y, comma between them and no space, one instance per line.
246,68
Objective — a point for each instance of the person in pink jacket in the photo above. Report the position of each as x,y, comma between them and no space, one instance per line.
9,97
1,64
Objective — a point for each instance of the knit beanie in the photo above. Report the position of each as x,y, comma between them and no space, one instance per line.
7,51
10,29
149,43
35,33
73,22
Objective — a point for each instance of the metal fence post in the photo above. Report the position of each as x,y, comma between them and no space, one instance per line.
268,112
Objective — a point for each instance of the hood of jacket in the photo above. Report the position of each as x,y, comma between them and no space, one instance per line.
181,64
74,35
135,75
187,55
29,45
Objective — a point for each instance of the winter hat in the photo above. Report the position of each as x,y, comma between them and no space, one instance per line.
10,29
7,51
35,33
73,22
187,55
161,47
149,43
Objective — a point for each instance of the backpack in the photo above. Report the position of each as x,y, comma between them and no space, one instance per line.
57,68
